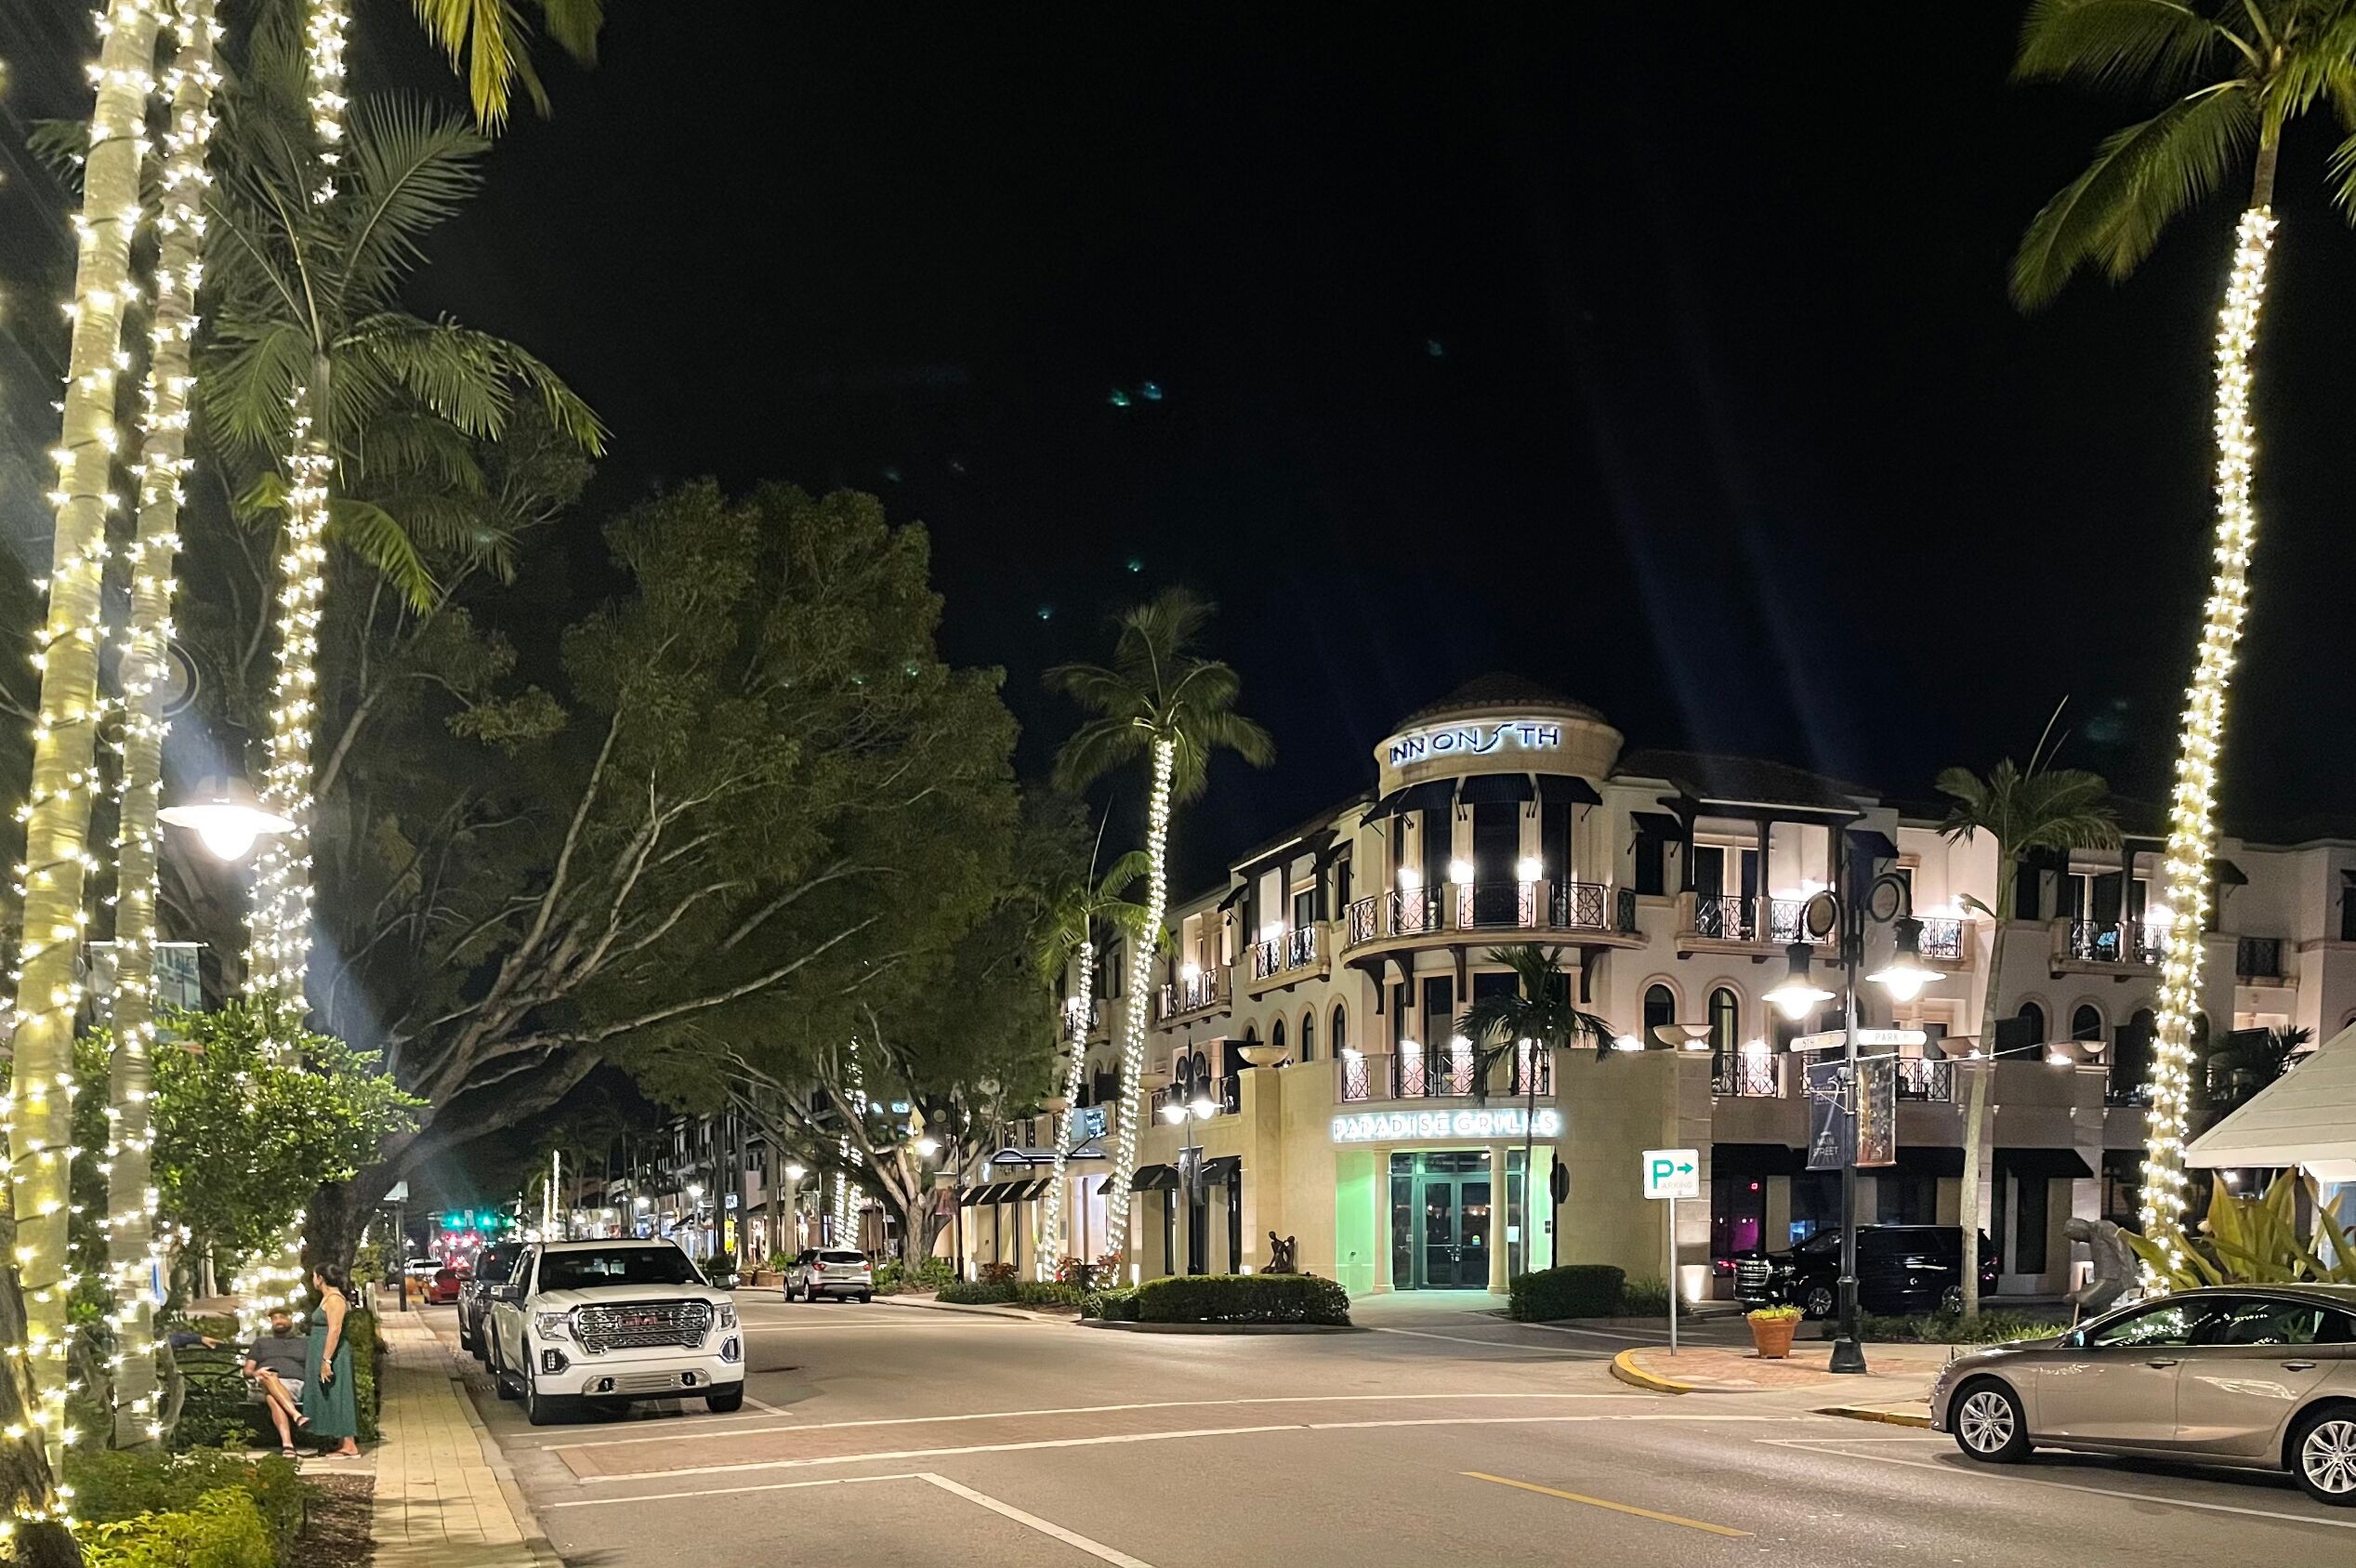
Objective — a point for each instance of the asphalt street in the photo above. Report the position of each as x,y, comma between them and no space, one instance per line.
896,1436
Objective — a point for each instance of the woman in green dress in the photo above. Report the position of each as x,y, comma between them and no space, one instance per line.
328,1394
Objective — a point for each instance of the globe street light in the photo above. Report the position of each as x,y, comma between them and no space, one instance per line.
226,817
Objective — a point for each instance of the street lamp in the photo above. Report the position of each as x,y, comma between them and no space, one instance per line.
226,816
1887,900
1190,1102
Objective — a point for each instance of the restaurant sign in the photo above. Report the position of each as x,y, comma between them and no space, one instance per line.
1474,740
1380,1126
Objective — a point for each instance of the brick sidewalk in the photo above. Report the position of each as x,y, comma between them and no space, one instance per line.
439,1500
1895,1373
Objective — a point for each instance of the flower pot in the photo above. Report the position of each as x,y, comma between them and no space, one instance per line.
1773,1337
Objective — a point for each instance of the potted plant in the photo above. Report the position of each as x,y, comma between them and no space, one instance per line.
1772,1331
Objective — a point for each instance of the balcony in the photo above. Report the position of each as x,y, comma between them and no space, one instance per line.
1193,994
1225,1094
1945,939
1445,1073
2118,941
1490,906
1747,1075
1921,1079
1765,921
2258,961
1282,956
1081,1022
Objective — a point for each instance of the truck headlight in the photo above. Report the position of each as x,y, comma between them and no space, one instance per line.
553,1325
724,1315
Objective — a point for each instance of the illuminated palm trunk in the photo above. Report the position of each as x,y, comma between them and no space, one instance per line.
1053,1241
1133,1015
131,1246
2192,825
40,1102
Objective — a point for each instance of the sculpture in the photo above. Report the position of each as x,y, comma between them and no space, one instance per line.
2114,1267
1282,1255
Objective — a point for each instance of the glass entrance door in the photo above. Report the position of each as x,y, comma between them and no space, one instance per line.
1448,1221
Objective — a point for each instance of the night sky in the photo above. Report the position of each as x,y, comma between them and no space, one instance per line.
1668,365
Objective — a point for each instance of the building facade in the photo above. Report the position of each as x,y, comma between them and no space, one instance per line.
1315,992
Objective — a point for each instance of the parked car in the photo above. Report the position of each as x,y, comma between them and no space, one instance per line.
830,1271
1900,1269
493,1265
2254,1376
442,1288
609,1322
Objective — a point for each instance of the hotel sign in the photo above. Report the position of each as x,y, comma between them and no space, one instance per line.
1382,1126
1475,739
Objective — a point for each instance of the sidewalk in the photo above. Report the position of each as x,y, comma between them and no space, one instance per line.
1894,1388
439,1498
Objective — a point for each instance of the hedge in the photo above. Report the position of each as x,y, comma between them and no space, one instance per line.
1242,1299
1013,1293
207,1509
1117,1304
1574,1290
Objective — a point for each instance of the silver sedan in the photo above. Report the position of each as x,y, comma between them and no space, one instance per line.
2254,1376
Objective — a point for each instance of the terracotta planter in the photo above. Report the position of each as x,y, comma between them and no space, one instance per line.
1773,1337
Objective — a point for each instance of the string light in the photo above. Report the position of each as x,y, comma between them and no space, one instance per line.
1053,1244
2192,822
324,31
280,920
39,1105
1157,840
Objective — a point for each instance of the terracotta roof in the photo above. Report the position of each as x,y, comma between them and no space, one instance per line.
1498,689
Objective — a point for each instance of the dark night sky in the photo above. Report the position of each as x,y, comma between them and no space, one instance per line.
1731,430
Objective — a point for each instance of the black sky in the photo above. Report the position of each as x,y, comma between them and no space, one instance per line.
1668,362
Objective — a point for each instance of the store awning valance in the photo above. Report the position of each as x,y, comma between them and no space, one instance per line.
1153,1177
1657,824
1227,1168
2065,1162
1497,789
1562,789
1386,808
1925,1159
2228,875
981,1195
1234,896
1877,844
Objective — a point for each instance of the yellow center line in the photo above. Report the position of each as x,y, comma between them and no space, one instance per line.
1605,1503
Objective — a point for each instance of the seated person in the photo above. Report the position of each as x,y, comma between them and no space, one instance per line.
276,1361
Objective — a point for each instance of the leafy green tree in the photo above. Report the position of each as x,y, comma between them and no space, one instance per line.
2039,807
1160,701
2234,74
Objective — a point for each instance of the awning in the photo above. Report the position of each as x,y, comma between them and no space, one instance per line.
2226,875
1234,896
1153,1177
1562,789
1923,1160
1876,844
985,1193
1497,789
1016,1158
1657,824
1223,1170
1757,1159
2066,1162
1023,1191
1385,808
2305,1117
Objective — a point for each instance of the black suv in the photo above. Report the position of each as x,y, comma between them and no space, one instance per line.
493,1265
1900,1269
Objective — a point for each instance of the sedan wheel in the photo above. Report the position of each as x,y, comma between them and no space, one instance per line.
1988,1424
2325,1456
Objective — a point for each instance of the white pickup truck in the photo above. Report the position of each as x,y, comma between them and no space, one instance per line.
608,1322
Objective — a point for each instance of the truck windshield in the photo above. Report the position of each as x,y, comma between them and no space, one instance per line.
621,1265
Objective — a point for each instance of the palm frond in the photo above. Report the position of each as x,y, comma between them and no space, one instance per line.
413,167
2118,43
376,536
447,369
247,387
489,45
1096,749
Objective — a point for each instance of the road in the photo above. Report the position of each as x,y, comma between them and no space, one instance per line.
902,1437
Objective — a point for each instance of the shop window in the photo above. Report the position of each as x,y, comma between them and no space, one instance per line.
1308,1036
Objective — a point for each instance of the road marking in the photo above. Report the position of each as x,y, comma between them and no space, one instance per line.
847,1323
1046,1443
1646,1337
763,1404
726,1491
701,1432
1607,1503
1461,1339
1069,1538
1819,1445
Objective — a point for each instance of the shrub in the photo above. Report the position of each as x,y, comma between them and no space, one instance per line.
1049,1293
1954,1328
1650,1299
1114,1305
222,1530
997,1273
1573,1290
978,1293
777,1263
115,1485
892,1276
1242,1299
359,1331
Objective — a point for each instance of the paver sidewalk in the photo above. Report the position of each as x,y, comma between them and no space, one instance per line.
439,1500
1894,1388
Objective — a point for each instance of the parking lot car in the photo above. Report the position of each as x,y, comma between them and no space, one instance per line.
830,1271
609,1322
491,1267
1900,1269
443,1286
2254,1376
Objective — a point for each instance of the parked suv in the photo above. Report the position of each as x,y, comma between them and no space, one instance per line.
1900,1269
609,1322
493,1265
830,1271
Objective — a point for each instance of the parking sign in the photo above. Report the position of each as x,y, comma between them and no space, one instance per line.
1672,1173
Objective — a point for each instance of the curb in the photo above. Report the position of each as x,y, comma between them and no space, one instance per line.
1627,1370
1014,1313
1221,1327
1867,1413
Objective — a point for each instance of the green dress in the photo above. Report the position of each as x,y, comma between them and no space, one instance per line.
334,1413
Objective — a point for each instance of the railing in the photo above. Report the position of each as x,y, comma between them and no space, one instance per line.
1746,1074
1358,1075
1787,922
1225,1094
2122,942
1942,936
1445,1073
1921,1079
1532,1070
1478,906
1079,1021
1726,920
2257,958
1191,992
1281,955
1263,958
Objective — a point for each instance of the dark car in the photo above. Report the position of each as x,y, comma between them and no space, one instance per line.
491,1267
1900,1269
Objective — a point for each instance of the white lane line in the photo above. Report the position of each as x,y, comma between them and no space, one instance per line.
1644,1337
699,1431
764,1406
1461,1339
1109,1439
1069,1538
848,1323
1821,1446
727,1491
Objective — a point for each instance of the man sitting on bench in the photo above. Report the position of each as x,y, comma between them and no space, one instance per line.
276,1362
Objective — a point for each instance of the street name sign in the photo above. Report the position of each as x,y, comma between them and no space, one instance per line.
1832,1039
1672,1173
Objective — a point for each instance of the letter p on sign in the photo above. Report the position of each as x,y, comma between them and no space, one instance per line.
1672,1173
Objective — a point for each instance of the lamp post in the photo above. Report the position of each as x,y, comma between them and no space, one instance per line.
1886,900
1191,1103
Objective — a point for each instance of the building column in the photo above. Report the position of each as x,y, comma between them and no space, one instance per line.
1384,1284
1502,1180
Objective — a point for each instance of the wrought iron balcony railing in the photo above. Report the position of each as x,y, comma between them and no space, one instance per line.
1746,1074
2119,941
1741,917
1490,906
1447,1072
1942,936
1281,955
1195,992
2258,958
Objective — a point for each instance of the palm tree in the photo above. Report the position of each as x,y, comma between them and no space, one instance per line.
1065,939
1538,1011
489,43
2235,73
2042,808
1162,700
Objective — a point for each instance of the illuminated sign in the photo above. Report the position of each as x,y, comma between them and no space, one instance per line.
1475,739
1377,1127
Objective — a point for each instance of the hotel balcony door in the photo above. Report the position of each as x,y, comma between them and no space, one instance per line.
1441,1220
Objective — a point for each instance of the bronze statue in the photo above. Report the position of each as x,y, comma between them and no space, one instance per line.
2114,1267
1282,1255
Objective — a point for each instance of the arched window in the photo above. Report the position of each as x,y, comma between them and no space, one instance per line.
1726,1019
1308,1036
1276,1034
1660,1009
1251,1034
2034,1017
2086,1024
1341,1030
